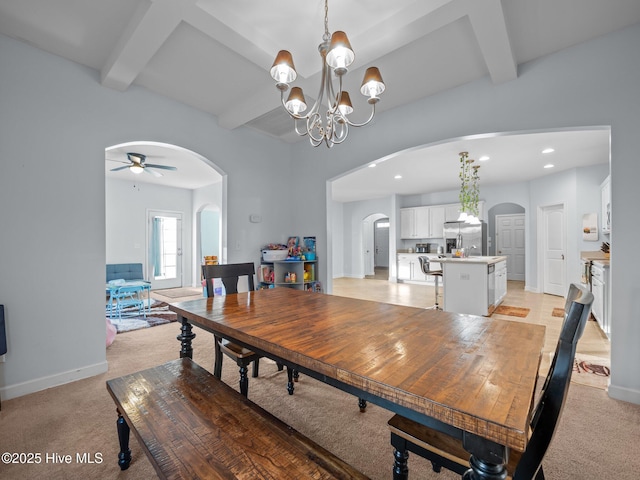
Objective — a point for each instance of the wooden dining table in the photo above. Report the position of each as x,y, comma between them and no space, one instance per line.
471,377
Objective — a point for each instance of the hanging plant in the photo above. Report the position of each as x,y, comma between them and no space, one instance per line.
469,188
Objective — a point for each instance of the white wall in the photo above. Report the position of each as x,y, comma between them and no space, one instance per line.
592,84
353,215
565,187
55,122
127,204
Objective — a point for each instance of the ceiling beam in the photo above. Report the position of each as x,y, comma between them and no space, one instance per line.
488,22
147,30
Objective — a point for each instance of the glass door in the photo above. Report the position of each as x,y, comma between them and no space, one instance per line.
165,249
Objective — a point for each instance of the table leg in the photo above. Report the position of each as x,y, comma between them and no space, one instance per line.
487,460
124,457
186,336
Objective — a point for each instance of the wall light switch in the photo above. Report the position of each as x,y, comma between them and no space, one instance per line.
255,218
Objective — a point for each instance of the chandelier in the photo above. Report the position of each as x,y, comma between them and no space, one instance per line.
332,126
469,190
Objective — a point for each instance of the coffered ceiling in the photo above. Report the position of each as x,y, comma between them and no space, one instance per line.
215,54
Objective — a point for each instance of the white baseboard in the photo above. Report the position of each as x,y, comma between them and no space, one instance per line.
624,394
19,389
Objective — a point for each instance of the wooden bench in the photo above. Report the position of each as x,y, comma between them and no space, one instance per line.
192,425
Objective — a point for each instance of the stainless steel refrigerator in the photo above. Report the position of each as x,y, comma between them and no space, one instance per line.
467,236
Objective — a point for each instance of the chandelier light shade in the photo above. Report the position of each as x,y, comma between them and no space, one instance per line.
326,121
283,71
295,103
372,84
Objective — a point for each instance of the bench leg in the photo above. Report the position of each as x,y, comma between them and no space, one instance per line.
401,458
217,363
362,405
296,375
256,367
185,338
124,457
244,380
290,387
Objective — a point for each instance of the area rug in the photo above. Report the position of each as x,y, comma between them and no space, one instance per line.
159,315
558,312
511,311
179,292
591,371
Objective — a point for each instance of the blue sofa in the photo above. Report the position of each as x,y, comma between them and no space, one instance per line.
125,271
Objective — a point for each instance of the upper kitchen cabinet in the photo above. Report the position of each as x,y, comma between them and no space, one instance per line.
414,222
451,212
422,222
605,192
436,221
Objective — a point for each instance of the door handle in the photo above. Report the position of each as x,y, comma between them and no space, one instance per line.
562,256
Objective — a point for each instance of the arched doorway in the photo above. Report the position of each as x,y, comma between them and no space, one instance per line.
375,245
196,185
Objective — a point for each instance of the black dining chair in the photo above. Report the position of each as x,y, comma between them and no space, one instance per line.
230,275
446,451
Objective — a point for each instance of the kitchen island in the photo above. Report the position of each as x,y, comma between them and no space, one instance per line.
473,285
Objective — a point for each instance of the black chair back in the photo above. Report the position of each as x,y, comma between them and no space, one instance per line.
229,274
556,386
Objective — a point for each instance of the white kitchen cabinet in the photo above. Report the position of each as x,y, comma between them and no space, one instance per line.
414,223
436,221
600,291
470,284
423,215
451,212
409,269
605,196
501,282
404,267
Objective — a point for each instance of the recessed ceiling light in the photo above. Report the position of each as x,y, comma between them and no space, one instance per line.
484,158
372,165
548,150
549,165
398,177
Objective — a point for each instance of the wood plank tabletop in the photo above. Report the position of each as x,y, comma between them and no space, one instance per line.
477,374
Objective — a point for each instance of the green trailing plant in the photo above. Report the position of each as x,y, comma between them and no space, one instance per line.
469,188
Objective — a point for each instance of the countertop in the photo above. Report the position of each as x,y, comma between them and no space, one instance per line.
595,256
478,259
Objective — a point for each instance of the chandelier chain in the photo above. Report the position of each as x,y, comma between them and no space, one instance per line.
326,37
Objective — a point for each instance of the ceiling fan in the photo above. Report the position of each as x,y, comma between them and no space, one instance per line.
137,165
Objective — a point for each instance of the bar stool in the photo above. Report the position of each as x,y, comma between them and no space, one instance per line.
426,269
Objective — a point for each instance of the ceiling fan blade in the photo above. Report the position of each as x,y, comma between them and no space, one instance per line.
163,167
118,161
119,168
152,172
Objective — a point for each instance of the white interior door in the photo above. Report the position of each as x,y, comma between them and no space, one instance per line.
164,231
554,242
510,233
